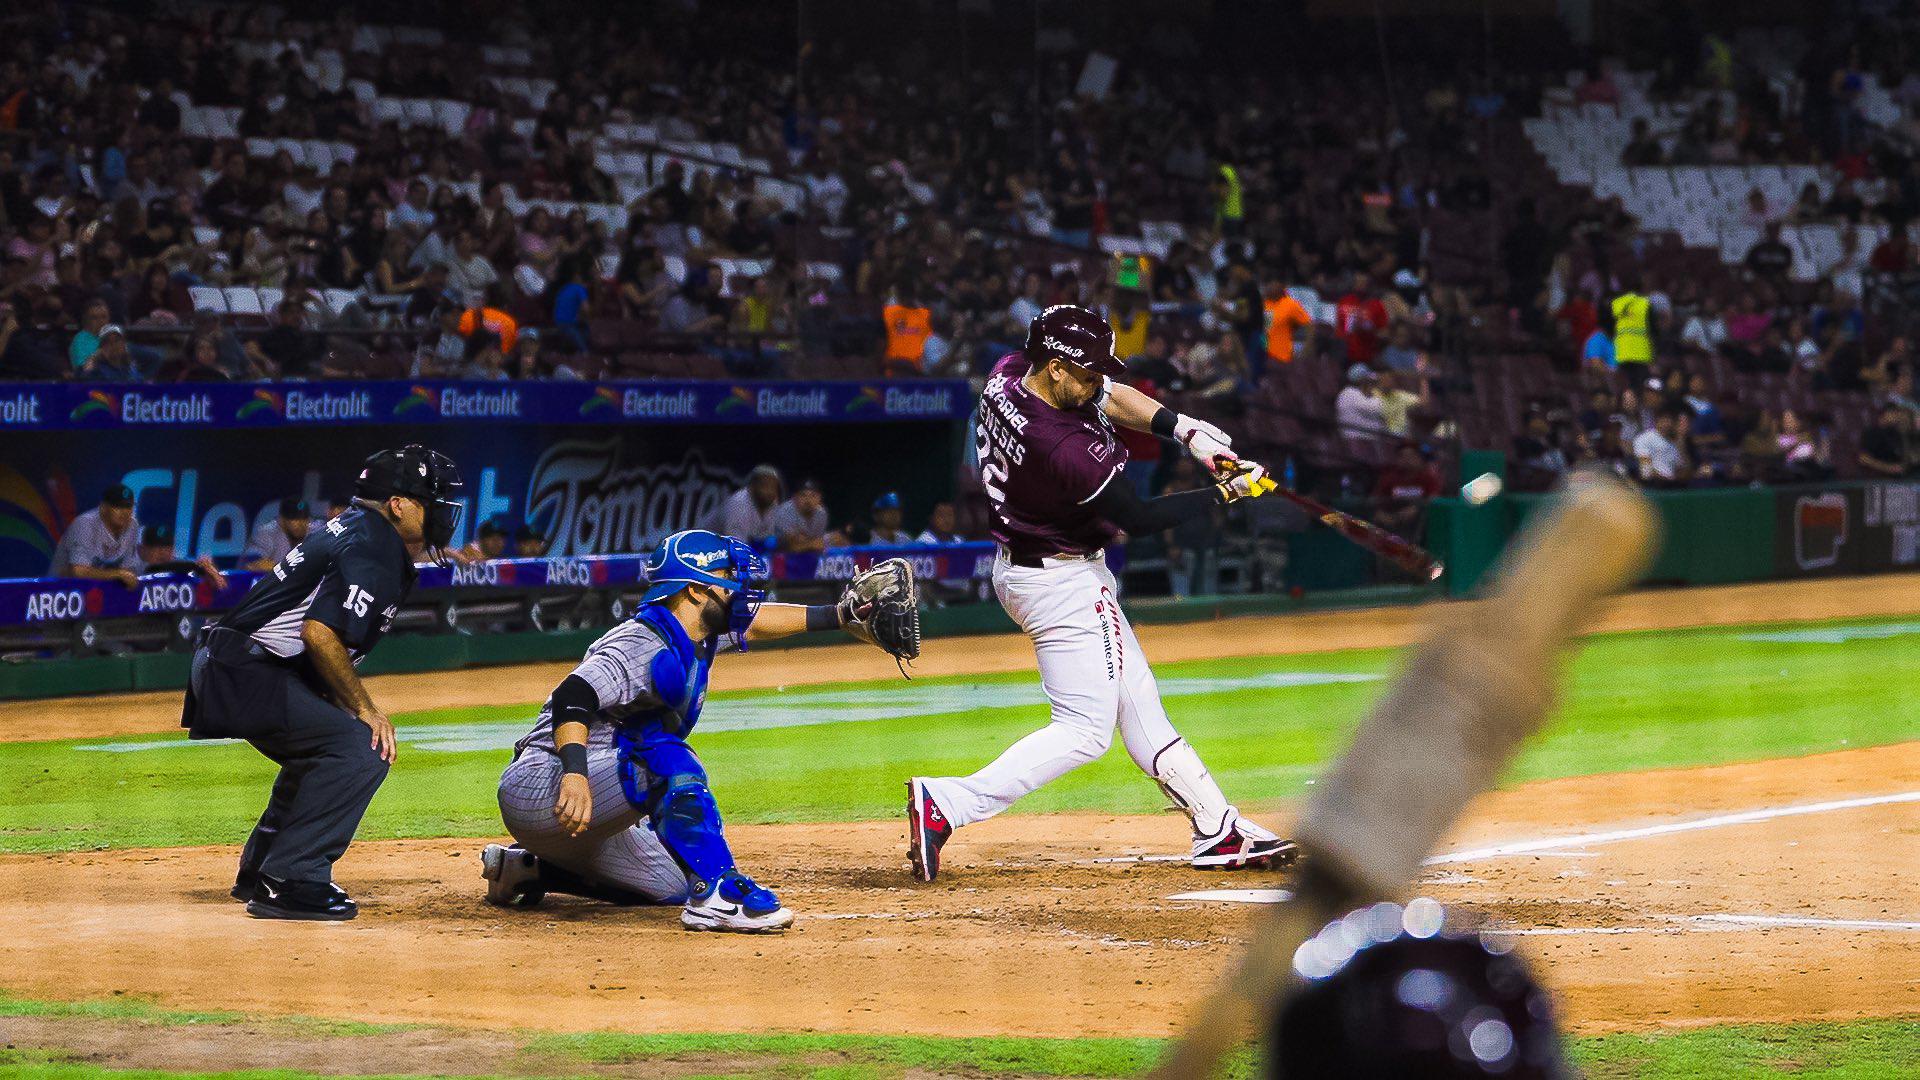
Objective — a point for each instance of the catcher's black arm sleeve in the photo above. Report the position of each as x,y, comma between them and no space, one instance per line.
574,702
1118,503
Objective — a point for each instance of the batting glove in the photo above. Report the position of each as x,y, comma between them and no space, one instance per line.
1208,444
1244,480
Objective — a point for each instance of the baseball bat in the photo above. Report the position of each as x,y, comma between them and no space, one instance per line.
1404,554
1454,717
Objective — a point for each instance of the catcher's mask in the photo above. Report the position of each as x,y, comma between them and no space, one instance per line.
693,557
426,476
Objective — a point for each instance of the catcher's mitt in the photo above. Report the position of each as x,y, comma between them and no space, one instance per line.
881,606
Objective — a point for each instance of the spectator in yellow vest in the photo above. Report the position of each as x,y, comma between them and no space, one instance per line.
1129,321
1632,327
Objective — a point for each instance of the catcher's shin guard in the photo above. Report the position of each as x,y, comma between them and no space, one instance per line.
687,820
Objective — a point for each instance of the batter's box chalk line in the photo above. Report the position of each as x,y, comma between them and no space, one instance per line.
1673,924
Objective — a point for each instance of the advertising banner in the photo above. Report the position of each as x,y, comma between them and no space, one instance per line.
84,407
1861,527
591,489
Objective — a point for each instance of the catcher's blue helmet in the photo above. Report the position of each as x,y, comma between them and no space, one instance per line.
694,557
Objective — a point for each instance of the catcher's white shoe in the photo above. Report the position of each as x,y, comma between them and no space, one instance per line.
513,876
734,903
1244,846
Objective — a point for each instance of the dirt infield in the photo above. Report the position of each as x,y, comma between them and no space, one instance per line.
1387,627
1025,934
1767,891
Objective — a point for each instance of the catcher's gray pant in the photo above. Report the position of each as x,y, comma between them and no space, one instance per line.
617,849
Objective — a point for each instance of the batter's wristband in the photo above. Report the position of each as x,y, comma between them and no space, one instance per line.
573,758
823,617
1163,423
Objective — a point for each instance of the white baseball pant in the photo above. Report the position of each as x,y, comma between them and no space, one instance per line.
1096,679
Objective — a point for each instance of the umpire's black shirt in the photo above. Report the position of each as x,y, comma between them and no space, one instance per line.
350,574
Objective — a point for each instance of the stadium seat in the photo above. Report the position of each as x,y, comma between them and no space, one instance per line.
270,301
451,115
207,298
243,301
387,110
339,300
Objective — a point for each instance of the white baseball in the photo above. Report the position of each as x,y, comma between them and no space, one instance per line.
1481,488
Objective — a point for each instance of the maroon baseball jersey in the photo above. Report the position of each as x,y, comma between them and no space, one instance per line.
1042,465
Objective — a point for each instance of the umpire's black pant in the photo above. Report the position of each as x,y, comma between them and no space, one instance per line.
329,770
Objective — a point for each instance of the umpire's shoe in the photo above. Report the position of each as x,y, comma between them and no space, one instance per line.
319,901
513,876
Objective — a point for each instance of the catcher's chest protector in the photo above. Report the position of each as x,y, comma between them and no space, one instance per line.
678,673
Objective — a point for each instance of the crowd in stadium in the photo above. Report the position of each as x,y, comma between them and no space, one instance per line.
1337,264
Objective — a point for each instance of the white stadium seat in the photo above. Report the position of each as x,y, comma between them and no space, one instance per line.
207,298
243,301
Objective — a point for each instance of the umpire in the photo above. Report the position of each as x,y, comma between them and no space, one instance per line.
278,671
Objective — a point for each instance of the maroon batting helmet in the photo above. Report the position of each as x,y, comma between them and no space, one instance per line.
1073,334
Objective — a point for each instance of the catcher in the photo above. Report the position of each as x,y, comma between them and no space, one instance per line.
604,795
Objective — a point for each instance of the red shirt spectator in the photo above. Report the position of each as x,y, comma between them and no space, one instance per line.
1893,255
1580,317
1408,479
1360,319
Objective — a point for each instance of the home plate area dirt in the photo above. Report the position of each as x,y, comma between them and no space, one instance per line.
1800,908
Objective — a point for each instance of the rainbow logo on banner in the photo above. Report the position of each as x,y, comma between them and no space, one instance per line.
740,398
262,401
98,401
30,519
870,397
420,398
604,397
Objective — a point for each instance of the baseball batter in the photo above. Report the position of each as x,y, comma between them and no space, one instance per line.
1051,466
605,797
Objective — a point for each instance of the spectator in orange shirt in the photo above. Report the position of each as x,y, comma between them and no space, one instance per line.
1285,315
490,318
908,327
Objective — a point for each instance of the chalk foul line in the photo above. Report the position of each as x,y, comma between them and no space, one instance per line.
1570,846
1717,821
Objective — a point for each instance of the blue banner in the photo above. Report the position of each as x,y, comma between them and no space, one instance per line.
27,601
60,406
606,488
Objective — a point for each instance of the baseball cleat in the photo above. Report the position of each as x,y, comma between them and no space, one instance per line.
736,904
1244,851
245,884
315,901
513,876
927,831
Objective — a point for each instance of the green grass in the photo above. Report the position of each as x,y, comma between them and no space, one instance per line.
1859,1050
1636,701
1863,1050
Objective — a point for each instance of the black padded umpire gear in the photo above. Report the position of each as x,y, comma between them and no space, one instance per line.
417,473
